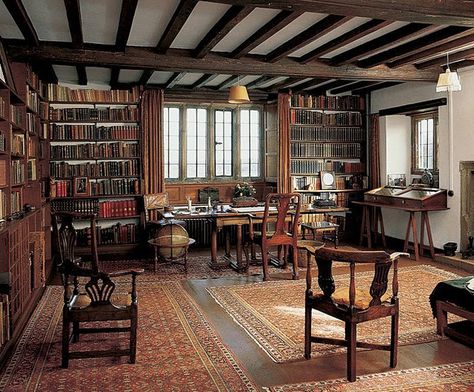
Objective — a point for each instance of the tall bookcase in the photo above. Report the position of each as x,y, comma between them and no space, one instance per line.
96,162
24,224
327,135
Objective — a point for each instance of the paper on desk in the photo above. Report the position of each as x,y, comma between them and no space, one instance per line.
470,285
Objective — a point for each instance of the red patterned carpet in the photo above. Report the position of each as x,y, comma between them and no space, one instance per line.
272,313
457,377
178,350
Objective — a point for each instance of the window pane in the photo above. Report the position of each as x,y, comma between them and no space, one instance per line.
250,143
425,141
223,142
196,142
171,126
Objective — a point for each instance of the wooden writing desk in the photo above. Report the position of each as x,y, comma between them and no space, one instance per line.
232,217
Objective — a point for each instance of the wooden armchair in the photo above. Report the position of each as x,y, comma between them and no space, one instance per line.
89,296
154,205
285,232
352,304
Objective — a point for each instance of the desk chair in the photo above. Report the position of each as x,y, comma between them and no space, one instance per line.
89,297
284,234
353,304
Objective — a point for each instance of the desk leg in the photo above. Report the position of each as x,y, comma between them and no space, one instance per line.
382,228
156,258
412,225
227,242
365,227
214,263
238,248
425,221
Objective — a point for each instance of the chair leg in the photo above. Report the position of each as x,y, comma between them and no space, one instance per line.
65,342
394,341
351,337
295,262
75,331
133,336
265,263
307,330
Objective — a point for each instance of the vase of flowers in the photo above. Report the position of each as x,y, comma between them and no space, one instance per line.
243,195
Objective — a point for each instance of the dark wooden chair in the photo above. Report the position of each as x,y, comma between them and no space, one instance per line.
89,296
284,233
353,304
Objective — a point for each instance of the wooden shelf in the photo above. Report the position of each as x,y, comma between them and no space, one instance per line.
91,140
96,197
93,121
95,159
326,109
92,103
326,125
330,190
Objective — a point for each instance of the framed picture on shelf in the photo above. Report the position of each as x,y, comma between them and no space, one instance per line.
81,186
328,179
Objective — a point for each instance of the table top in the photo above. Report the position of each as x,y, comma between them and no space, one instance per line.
319,225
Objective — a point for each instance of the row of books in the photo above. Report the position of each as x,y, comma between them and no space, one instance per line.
31,148
2,142
115,186
346,102
15,201
32,99
17,115
31,170
92,132
304,133
3,205
5,327
97,169
3,107
32,123
3,172
325,150
55,92
341,200
116,234
33,79
18,144
306,166
96,151
81,206
129,113
302,116
43,110
60,188
118,208
17,172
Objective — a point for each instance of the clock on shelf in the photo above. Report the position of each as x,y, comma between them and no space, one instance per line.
328,180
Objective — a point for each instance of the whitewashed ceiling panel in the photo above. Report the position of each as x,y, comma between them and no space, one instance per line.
160,77
100,20
8,27
189,79
129,75
66,73
98,75
49,20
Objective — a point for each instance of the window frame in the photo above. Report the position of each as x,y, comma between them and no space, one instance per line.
415,118
211,166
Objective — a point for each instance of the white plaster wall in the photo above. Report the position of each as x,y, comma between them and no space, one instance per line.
445,225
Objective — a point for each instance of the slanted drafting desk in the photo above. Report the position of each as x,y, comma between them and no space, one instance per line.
412,200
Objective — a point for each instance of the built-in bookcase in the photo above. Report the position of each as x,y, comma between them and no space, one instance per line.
96,162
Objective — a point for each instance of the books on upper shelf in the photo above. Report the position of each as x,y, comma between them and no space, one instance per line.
32,123
128,113
95,151
15,201
92,132
31,169
18,144
32,99
302,116
3,172
55,92
130,167
17,172
318,133
3,205
82,206
2,142
325,150
346,102
17,115
3,107
118,208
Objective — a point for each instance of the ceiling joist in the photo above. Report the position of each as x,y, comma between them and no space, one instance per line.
125,23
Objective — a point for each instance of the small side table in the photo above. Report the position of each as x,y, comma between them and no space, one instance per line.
184,262
324,227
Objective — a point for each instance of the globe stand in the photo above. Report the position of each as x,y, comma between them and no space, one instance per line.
171,245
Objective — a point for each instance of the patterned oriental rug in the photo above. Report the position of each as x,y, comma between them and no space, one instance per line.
272,313
457,377
178,350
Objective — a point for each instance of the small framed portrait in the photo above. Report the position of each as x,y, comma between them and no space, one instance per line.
328,180
81,186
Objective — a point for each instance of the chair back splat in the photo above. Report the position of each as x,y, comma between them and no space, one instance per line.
354,304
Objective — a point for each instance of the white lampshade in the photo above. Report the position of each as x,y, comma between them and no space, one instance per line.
448,81
238,94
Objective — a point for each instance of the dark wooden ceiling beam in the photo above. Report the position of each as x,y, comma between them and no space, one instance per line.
380,43
443,48
378,86
456,56
81,75
184,9
231,18
228,82
428,41
284,84
125,24
344,39
174,79
73,11
307,84
22,20
321,90
317,30
283,19
446,12
203,80
351,86
183,61
146,75
114,77
258,82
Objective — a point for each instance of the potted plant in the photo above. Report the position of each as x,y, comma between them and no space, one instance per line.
243,195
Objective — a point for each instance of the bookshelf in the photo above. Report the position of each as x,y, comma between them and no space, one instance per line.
24,226
327,135
96,162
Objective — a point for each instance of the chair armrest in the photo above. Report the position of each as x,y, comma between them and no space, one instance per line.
134,272
396,255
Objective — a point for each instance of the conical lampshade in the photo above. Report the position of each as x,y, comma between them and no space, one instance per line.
448,81
238,94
